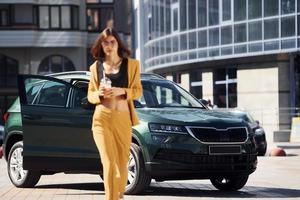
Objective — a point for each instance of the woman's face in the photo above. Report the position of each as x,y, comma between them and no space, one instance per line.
110,46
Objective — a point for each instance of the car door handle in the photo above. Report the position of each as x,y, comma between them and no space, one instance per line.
32,117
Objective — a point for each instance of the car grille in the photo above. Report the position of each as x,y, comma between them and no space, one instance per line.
212,135
208,162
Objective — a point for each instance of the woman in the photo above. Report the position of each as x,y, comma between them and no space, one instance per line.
114,113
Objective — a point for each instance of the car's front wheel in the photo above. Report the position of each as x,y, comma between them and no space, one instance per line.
229,184
138,178
18,176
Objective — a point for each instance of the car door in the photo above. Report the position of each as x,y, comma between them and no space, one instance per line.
57,135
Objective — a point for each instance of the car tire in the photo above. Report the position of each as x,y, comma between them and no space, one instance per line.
229,184
138,178
19,177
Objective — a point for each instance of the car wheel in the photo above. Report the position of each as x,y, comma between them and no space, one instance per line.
18,176
229,184
138,178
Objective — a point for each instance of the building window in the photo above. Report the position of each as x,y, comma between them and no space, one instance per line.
58,17
4,15
174,17
99,1
202,39
271,29
214,37
255,31
240,33
270,7
196,83
192,14
202,13
287,6
225,87
97,18
287,26
55,64
183,15
254,9
23,14
226,35
239,10
213,12
226,10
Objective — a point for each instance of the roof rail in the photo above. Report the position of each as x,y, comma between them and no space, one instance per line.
151,75
69,73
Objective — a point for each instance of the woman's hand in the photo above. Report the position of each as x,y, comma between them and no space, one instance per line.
110,92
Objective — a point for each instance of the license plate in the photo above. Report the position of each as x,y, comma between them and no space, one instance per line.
225,149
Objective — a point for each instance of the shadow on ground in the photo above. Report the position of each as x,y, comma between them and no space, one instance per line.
185,190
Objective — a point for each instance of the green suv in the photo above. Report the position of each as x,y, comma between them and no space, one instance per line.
48,130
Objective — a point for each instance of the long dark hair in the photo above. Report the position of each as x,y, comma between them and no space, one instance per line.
97,49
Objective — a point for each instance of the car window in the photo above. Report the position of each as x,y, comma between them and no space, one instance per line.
79,93
166,94
32,92
53,94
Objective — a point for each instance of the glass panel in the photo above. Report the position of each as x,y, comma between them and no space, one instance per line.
298,5
65,17
175,43
255,31
240,33
3,17
168,45
255,47
183,17
254,8
192,14
193,55
220,95
239,10
54,17
53,94
44,17
192,40
287,6
213,12
162,47
183,42
287,26
226,51
93,19
298,24
271,29
202,38
11,72
286,44
202,13
68,65
226,35
168,17
196,83
273,45
270,7
226,10
23,14
214,37
232,95
240,49
175,19
202,54
75,17
162,18
107,1
214,52
106,15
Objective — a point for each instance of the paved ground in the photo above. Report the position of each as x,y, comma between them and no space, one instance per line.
275,178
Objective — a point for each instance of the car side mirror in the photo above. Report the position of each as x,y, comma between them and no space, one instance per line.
257,122
85,104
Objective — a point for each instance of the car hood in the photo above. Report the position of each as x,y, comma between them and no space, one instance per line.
190,116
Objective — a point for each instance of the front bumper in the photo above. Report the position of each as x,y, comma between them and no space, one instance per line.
176,165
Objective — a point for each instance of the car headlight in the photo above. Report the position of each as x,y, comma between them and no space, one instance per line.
259,131
166,128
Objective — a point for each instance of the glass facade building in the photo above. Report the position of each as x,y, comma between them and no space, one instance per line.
237,53
181,31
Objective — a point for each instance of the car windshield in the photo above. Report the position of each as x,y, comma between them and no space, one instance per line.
162,93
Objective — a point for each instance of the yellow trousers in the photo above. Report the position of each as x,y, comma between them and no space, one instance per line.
112,135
